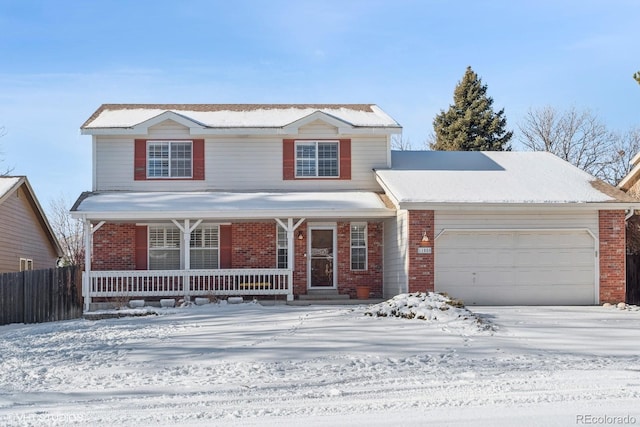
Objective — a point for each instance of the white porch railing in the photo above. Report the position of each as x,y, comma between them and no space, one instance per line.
158,283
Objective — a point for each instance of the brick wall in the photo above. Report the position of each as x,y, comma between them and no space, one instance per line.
114,247
300,261
348,279
253,245
612,256
421,266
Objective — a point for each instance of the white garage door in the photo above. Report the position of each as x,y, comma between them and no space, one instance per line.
512,267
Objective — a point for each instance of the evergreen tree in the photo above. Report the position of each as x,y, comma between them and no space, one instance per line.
470,124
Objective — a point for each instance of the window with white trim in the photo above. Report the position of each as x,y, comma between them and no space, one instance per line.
169,159
317,159
282,247
358,246
26,264
204,247
164,248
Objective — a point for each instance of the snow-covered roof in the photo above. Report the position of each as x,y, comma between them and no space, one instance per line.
208,116
228,205
7,183
491,177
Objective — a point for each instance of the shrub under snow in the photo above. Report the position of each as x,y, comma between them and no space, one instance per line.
427,306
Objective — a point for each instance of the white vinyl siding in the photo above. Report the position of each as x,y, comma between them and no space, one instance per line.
395,258
231,163
516,219
358,246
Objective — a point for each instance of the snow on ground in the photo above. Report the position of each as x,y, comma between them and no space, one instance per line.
248,364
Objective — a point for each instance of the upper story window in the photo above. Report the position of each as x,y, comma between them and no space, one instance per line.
317,159
169,159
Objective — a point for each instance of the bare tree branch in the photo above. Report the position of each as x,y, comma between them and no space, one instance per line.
70,231
575,136
8,170
400,144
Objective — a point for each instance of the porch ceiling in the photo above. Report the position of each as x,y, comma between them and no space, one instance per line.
122,205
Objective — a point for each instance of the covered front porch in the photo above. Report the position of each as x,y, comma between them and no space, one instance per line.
187,283
143,245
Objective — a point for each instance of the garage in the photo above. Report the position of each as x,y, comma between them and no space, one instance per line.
517,267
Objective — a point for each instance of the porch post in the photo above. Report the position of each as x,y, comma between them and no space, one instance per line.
186,230
290,227
86,276
88,252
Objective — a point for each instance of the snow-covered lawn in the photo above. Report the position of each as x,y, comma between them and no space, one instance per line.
280,365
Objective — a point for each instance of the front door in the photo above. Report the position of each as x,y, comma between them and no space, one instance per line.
322,257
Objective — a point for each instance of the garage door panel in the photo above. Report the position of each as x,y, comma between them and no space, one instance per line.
517,266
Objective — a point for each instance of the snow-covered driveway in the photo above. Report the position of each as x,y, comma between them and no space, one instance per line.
253,365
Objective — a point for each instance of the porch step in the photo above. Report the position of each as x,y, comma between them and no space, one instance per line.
323,294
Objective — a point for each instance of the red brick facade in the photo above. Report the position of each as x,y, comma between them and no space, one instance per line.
421,266
348,279
612,256
114,247
253,245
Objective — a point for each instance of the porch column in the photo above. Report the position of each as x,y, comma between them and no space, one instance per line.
88,252
290,227
186,230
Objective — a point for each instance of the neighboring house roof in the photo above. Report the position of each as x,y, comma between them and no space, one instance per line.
9,185
224,205
450,177
633,176
234,116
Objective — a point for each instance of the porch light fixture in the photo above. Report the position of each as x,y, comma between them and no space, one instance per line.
425,240
300,235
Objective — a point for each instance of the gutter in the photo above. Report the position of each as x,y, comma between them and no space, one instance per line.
629,214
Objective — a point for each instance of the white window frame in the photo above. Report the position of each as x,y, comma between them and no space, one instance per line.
315,143
352,247
165,227
201,229
281,247
26,264
170,150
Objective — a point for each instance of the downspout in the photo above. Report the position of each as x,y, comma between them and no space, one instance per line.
629,214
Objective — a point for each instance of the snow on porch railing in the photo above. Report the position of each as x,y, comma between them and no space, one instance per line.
152,283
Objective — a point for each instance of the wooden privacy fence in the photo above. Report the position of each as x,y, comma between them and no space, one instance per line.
40,295
633,279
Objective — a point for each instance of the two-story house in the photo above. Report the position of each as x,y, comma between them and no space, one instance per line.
298,199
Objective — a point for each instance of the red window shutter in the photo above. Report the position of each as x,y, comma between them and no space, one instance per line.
345,159
140,160
141,247
288,159
225,246
198,159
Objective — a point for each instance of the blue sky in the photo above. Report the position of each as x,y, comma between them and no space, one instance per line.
59,60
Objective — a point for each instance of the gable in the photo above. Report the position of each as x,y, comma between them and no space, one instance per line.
168,129
319,128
